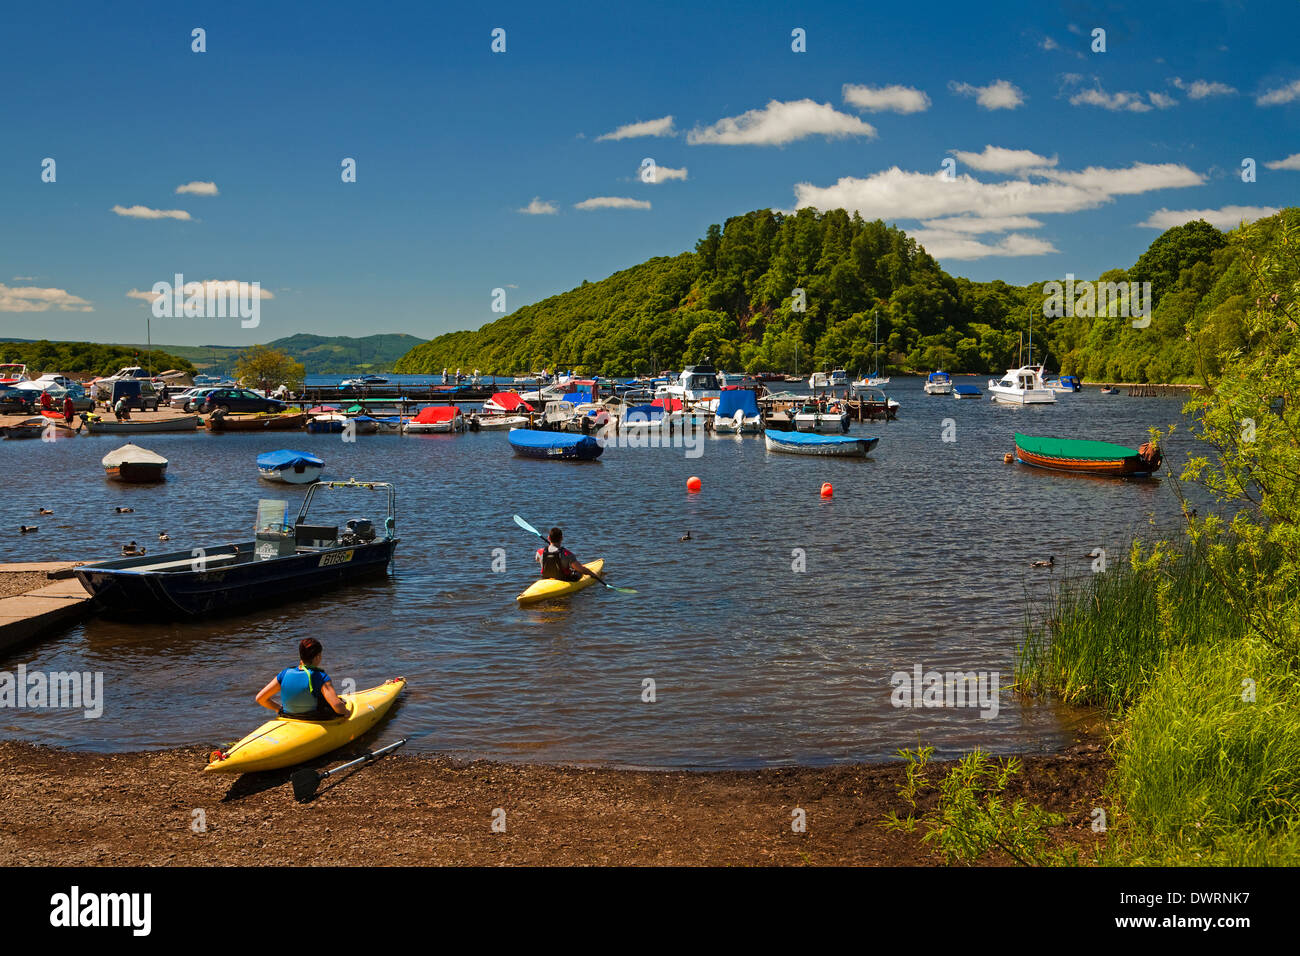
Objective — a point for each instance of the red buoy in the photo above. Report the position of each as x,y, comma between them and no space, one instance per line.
827,490
693,484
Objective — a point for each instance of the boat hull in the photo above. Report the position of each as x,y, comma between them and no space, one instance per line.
182,423
564,447
138,473
254,423
1119,465
223,585
284,741
1035,396
546,589
291,476
833,447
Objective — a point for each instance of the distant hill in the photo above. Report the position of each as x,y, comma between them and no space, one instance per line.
320,354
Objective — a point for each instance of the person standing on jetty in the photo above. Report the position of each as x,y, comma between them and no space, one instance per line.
306,692
69,409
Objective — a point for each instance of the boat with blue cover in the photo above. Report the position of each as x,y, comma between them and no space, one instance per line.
810,443
554,446
289,466
737,412
966,391
938,383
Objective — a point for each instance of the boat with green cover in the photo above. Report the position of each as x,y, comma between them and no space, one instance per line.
1084,457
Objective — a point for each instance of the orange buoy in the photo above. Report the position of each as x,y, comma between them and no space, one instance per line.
1008,458
827,490
693,484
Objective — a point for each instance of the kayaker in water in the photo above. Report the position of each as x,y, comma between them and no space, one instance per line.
306,692
559,562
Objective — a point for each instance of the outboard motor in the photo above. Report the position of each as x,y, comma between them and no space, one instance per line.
359,531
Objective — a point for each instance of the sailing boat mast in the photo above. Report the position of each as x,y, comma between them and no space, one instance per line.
1031,335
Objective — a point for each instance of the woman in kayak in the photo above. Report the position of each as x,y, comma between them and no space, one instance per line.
306,692
559,562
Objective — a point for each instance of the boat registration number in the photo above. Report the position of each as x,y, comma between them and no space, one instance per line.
338,557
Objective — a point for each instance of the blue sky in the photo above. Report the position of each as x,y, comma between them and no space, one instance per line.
1091,152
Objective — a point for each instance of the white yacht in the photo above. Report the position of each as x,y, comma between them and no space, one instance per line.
839,378
696,388
819,380
938,383
1022,386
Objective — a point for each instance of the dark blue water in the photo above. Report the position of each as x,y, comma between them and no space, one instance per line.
921,557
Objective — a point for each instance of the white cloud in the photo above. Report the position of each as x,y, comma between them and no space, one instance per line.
1201,89
1132,102
144,212
663,174
896,194
1291,162
230,287
198,188
779,123
1283,94
895,99
998,95
1161,101
612,202
539,207
656,127
33,299
997,159
1228,217
976,225
1049,44
947,245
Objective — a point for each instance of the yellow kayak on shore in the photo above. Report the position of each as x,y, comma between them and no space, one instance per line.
547,588
284,741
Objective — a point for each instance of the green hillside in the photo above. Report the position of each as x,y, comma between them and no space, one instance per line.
320,354
732,300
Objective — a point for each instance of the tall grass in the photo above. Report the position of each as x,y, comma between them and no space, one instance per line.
1207,765
1103,637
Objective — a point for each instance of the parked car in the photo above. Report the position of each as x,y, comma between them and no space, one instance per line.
17,401
191,398
139,394
239,400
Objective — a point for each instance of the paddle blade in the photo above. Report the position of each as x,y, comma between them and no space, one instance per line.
527,527
305,782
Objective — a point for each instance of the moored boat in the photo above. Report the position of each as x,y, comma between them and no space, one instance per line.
286,740
176,423
36,427
502,403
282,562
554,446
501,422
1022,386
803,443
821,417
966,391
737,412
289,466
436,419
938,383
286,421
134,464
1084,457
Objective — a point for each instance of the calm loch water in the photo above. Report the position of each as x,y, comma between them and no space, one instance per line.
922,557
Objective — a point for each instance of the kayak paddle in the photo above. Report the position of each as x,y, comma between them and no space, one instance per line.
527,527
306,780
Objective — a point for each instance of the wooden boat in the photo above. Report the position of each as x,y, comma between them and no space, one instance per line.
1082,457
258,422
806,443
282,562
134,464
289,467
554,446
101,426
30,428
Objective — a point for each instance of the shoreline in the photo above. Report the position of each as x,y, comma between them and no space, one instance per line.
155,808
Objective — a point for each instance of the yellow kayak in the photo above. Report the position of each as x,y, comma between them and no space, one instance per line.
548,588
283,742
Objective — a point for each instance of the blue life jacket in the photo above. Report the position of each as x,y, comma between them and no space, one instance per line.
300,689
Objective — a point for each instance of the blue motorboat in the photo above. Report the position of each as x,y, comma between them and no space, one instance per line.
554,446
289,466
810,443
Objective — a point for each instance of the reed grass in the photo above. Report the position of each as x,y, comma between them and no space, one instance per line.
1102,637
